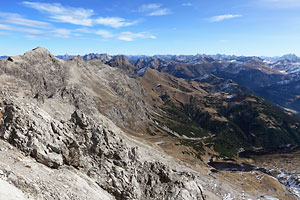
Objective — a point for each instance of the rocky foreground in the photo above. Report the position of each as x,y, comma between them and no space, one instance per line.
57,144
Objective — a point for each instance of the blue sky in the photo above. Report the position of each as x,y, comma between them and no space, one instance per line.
240,27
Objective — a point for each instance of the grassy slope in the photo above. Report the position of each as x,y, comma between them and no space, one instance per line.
196,110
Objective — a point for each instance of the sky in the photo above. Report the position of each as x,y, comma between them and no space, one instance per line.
143,27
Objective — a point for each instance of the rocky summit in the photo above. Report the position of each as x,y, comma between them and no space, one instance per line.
101,127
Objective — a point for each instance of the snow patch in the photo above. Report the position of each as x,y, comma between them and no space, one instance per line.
230,96
270,198
142,70
227,197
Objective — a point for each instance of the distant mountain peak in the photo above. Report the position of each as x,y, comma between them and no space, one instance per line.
38,51
37,54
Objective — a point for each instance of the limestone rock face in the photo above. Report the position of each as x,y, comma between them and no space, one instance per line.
86,144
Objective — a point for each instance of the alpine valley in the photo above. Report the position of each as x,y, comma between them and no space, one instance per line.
149,127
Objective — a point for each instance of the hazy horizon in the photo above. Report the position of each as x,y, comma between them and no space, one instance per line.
154,54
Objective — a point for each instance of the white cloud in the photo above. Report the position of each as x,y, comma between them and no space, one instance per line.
27,30
149,7
125,38
115,22
55,32
4,33
77,34
138,35
62,33
5,27
160,12
72,20
104,33
187,4
67,33
18,29
12,18
78,16
154,10
84,30
129,36
222,17
13,22
31,36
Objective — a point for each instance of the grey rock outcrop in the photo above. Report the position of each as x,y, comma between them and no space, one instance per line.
100,152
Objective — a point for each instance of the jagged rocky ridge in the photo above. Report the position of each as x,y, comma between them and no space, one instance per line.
273,79
59,113
85,144
51,111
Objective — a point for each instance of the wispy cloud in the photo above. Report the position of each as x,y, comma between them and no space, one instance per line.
4,33
19,29
149,7
13,18
104,33
71,33
125,38
87,21
62,33
222,17
129,36
78,16
54,32
101,32
160,12
32,37
27,30
154,10
187,4
5,27
66,33
115,22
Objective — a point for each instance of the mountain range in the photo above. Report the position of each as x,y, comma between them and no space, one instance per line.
275,79
139,127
